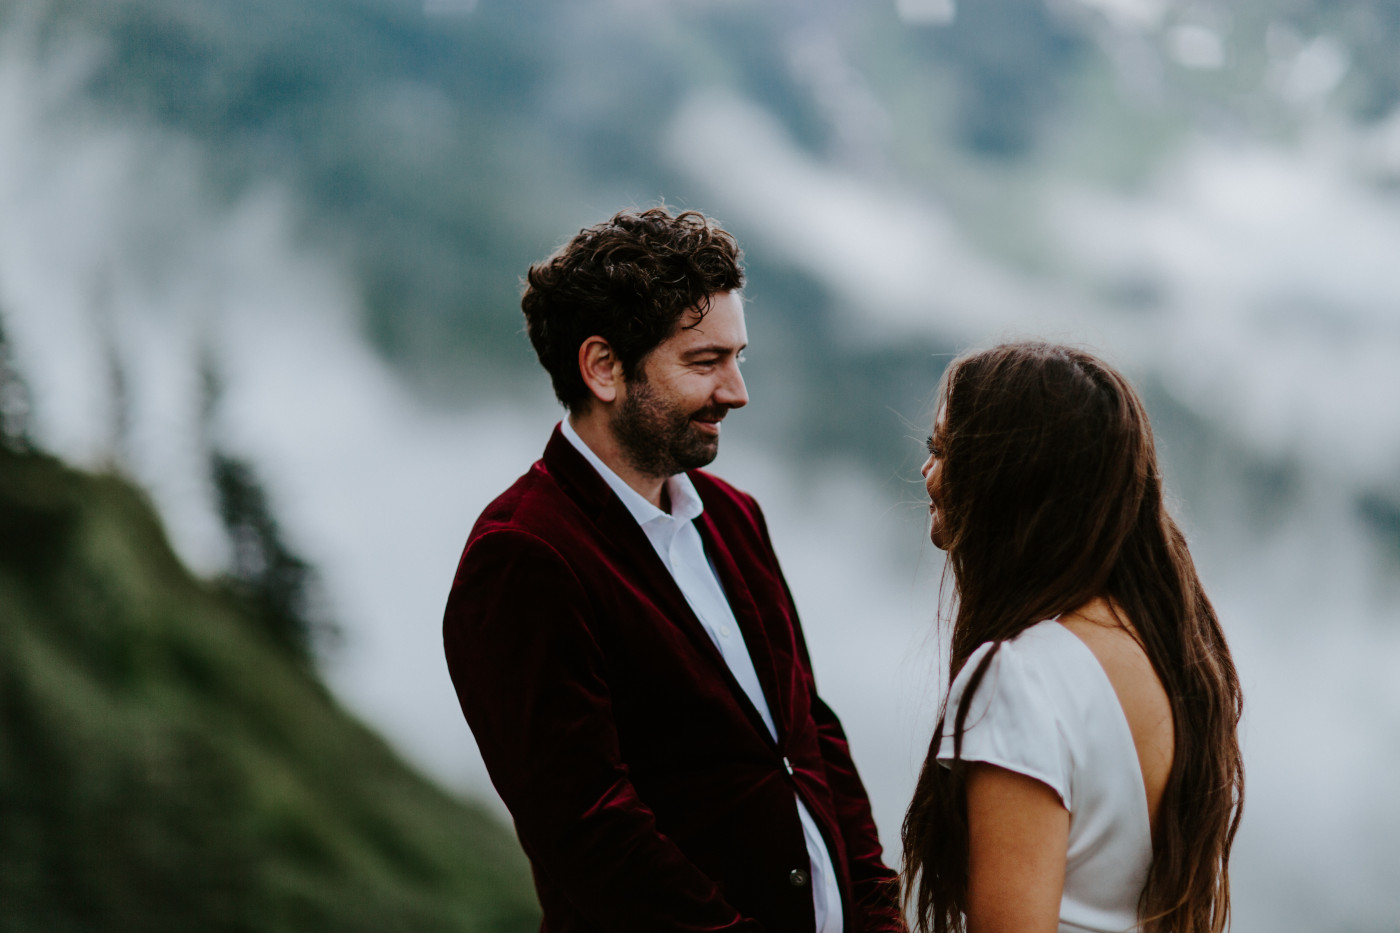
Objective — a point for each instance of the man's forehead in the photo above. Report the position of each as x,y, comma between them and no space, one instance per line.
721,318
719,301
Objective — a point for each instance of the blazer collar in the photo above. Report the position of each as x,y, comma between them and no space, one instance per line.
685,500
582,483
575,475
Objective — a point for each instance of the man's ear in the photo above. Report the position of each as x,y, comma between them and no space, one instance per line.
600,368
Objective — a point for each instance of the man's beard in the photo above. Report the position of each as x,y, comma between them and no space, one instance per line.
659,439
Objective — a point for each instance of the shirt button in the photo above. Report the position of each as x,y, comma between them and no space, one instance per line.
797,878
724,631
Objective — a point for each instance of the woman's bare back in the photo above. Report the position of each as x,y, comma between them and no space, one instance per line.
1140,694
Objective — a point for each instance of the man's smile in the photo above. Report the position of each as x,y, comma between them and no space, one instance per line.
708,421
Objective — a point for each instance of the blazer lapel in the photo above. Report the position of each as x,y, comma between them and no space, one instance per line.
616,525
750,619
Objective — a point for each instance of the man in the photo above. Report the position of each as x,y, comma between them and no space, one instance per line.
621,638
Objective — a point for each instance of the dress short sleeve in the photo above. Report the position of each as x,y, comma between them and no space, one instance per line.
1012,721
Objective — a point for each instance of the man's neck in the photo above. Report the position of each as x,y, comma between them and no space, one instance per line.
592,428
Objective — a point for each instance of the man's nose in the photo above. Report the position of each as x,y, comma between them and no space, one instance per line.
731,390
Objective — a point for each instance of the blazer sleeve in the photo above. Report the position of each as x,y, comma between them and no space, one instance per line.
532,683
874,886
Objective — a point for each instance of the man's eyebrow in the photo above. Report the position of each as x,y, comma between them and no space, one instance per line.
720,348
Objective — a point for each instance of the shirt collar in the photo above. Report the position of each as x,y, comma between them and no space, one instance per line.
685,501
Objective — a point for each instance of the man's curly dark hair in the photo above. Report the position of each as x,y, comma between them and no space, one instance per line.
627,280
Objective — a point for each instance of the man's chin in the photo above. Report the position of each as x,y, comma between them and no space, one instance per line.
703,458
699,452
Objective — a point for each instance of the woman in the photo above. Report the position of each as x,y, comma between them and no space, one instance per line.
1085,773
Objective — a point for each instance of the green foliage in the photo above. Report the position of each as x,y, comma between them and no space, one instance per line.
165,765
275,584
14,400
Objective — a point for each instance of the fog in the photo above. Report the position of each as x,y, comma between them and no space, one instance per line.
1273,324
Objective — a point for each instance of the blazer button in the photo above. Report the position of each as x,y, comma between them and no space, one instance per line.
797,878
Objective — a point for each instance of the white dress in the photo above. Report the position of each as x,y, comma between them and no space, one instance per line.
1046,709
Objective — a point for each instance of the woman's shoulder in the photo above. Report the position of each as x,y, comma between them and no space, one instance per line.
1038,651
1015,716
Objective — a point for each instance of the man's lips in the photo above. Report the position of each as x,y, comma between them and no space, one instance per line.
706,427
708,423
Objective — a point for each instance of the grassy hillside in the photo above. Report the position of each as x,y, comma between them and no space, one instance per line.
165,765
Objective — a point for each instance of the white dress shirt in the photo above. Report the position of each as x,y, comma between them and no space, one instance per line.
677,543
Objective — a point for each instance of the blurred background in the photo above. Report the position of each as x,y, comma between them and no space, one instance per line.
262,364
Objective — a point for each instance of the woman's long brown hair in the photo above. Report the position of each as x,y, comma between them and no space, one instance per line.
1051,496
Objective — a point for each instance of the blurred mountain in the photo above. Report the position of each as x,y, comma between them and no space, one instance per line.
166,763
442,146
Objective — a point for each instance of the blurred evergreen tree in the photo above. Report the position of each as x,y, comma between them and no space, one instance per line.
279,585
280,588
15,405
1380,513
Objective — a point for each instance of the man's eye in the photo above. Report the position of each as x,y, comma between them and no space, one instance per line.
741,358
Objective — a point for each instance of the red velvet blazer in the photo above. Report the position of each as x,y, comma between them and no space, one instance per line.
646,791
